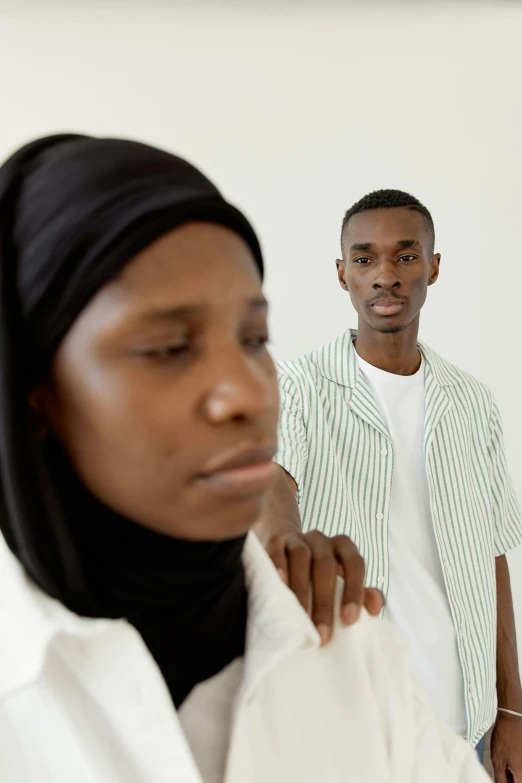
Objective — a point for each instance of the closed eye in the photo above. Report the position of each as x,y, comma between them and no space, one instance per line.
165,353
256,343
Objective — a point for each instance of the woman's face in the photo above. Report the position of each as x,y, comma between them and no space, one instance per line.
163,392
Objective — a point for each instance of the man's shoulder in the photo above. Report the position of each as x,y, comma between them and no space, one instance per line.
450,376
328,361
300,373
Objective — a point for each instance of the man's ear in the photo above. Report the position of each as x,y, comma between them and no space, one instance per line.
434,268
341,270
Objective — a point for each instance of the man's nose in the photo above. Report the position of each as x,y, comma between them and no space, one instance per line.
387,276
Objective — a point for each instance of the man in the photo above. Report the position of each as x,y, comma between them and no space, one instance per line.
385,441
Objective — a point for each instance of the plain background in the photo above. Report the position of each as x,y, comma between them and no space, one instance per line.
298,109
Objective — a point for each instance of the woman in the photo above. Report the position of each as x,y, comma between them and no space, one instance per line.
145,637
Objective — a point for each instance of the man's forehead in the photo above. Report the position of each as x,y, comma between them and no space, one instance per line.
396,226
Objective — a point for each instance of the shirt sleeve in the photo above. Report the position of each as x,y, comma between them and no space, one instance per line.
507,519
292,454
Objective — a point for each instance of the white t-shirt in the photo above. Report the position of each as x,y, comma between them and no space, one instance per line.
417,601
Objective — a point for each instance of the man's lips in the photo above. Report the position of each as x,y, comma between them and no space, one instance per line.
387,307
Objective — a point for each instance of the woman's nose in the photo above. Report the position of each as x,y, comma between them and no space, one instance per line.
242,389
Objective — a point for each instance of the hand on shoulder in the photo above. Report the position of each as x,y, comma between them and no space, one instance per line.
310,563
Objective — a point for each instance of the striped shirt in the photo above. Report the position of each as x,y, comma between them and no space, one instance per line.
335,445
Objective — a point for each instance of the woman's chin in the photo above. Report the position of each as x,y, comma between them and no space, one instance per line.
221,522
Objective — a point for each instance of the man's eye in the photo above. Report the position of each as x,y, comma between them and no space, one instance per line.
362,260
407,258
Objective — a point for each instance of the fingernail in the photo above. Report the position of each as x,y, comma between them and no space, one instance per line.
350,614
324,633
283,575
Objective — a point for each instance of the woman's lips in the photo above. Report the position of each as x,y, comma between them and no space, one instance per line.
388,306
240,472
241,482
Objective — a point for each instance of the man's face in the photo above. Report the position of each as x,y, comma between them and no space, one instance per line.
387,266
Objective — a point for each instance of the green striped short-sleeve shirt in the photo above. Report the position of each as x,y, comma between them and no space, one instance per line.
335,445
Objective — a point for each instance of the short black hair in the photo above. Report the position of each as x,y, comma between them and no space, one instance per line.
388,199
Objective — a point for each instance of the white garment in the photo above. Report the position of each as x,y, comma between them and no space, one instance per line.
82,700
206,718
417,601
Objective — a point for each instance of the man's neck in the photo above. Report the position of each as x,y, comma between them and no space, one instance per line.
396,353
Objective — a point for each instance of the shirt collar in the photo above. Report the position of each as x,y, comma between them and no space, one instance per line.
30,620
337,361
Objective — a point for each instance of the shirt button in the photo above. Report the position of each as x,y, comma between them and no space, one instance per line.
380,580
379,516
384,452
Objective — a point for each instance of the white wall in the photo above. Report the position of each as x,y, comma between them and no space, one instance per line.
297,110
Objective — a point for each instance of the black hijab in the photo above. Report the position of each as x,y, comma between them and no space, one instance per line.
73,211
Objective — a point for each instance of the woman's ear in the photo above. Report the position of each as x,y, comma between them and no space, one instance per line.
36,402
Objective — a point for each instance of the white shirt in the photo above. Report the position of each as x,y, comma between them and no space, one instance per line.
417,602
206,717
82,700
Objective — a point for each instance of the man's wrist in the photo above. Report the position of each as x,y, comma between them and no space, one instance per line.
503,713
510,699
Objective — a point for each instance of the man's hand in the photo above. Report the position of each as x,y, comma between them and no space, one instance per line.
506,748
312,560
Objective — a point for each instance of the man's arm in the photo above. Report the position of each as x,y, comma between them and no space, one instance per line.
280,515
509,688
310,562
506,743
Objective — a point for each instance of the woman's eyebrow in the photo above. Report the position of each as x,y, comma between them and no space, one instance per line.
183,312
257,303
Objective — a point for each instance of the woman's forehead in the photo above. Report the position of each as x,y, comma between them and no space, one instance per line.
193,271
188,257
